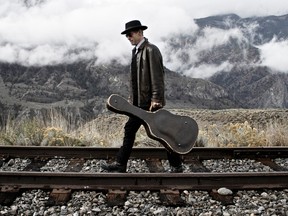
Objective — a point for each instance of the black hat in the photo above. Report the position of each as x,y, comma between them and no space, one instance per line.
134,24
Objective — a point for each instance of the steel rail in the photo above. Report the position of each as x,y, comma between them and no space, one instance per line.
141,153
144,181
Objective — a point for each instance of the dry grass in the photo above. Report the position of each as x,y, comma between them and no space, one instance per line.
243,134
218,128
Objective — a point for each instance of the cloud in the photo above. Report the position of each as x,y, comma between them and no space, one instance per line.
207,70
184,59
53,31
274,55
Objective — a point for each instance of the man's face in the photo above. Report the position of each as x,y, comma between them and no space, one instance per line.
134,37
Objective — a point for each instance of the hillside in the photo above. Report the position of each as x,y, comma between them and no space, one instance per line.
238,79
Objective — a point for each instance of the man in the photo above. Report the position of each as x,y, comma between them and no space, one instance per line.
147,92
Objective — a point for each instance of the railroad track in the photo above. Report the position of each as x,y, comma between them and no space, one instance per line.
195,177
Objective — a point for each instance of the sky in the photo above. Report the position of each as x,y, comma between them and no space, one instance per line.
58,31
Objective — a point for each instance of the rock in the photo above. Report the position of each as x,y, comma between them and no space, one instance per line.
224,191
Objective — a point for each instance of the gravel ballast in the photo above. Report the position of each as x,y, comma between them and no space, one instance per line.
245,202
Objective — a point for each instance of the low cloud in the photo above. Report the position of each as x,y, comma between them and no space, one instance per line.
41,32
274,55
185,59
207,70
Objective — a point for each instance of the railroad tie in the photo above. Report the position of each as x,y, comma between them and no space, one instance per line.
8,194
116,197
59,196
154,165
171,197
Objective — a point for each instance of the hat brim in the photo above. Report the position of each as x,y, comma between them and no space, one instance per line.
133,28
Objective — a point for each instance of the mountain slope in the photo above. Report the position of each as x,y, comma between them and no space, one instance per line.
237,80
83,88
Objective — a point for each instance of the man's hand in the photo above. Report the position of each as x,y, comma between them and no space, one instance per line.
155,106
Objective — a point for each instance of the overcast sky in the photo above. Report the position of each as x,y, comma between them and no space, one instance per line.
68,30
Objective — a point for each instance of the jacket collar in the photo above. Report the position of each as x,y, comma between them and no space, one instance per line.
142,43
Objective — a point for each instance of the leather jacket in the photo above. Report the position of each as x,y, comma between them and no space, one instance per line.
150,76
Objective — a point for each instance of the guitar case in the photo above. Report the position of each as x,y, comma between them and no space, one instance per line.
175,132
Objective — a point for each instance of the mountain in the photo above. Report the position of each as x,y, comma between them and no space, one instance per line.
264,28
256,87
249,83
80,89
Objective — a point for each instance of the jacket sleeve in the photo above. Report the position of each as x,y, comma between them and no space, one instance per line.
156,74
